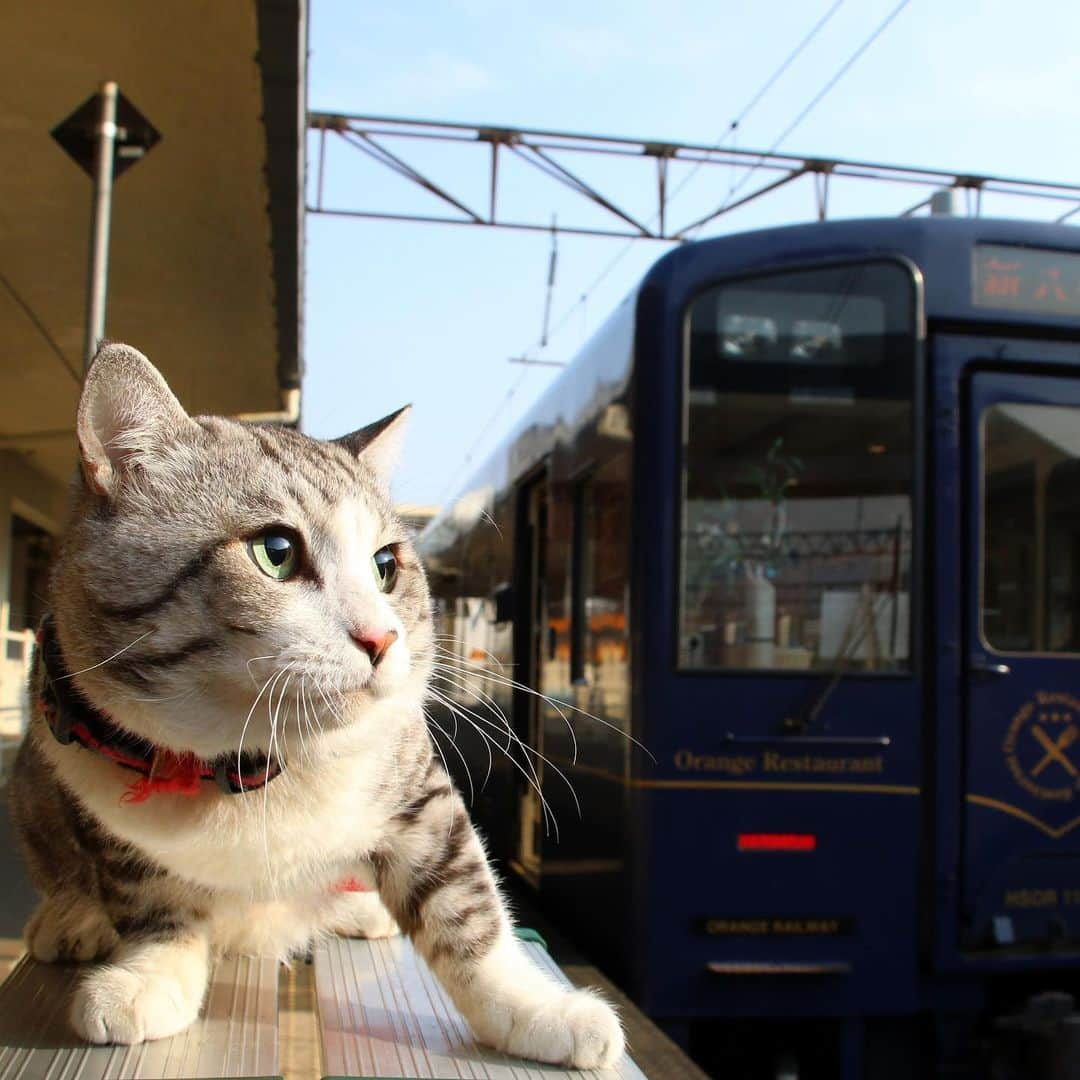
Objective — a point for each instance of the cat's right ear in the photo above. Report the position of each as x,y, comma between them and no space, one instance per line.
379,444
127,415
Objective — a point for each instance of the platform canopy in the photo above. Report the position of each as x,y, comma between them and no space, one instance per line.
207,227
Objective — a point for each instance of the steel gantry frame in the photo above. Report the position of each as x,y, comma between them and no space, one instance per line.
373,136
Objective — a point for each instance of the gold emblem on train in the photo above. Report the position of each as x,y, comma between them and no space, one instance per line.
1040,746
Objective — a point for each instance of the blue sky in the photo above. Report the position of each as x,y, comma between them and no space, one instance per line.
399,312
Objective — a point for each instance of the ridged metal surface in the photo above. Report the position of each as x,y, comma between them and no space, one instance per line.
383,1014
236,1035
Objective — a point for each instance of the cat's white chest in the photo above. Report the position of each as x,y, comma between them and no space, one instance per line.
276,839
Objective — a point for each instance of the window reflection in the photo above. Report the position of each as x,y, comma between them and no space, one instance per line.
1031,528
796,531
598,588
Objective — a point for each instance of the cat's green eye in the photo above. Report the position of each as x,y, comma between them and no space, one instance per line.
276,553
384,565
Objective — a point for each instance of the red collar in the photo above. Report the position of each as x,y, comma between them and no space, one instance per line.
71,718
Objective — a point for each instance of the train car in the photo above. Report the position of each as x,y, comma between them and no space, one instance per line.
791,554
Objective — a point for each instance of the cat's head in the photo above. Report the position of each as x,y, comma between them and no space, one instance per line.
219,578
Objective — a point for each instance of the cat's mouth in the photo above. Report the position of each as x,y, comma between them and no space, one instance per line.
337,703
376,685
315,684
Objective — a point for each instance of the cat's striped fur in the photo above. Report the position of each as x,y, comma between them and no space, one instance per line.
170,629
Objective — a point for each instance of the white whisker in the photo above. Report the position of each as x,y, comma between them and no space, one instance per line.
331,708
525,746
314,717
467,666
107,660
270,682
299,723
446,652
457,750
487,739
277,713
438,750
534,779
256,659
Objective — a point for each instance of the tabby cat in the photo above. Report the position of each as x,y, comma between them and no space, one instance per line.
216,581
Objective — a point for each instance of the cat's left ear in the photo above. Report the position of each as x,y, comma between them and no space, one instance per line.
127,418
379,444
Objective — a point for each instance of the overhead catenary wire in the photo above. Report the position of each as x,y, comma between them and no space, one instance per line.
732,127
507,398
548,333
718,145
808,108
762,91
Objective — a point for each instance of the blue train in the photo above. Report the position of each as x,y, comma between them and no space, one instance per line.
800,529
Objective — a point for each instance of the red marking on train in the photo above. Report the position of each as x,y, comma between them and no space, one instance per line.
777,842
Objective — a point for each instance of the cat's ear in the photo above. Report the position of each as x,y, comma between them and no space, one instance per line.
127,413
379,444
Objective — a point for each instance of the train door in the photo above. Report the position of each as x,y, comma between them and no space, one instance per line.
1021,855
529,640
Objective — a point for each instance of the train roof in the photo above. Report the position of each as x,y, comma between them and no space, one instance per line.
945,244
598,375
941,248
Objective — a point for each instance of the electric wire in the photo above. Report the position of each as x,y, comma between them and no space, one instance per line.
834,79
765,88
732,127
807,109
814,101
567,315
508,397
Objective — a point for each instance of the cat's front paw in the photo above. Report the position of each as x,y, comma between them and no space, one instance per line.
363,915
154,992
574,1028
69,927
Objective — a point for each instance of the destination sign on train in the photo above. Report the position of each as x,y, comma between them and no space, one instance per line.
1026,279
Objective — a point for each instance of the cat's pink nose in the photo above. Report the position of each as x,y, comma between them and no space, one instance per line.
374,642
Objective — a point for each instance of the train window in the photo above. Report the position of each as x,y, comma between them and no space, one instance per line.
580,583
798,470
599,573
1031,528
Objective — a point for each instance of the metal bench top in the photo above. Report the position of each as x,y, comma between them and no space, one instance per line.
236,1035
383,1015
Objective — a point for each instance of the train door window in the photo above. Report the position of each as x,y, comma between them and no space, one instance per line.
599,567
557,668
797,471
580,567
1031,528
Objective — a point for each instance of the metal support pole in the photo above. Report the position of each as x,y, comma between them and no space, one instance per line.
105,138
661,177
821,190
322,165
